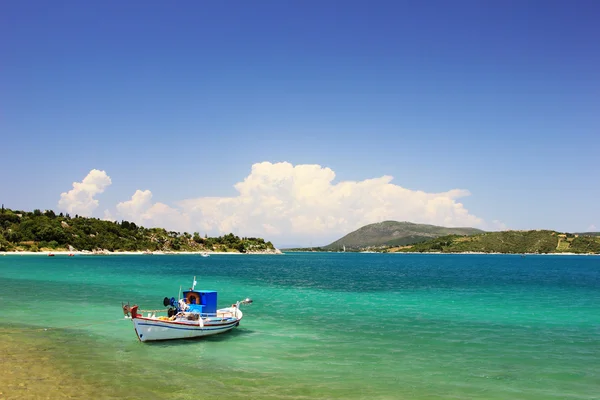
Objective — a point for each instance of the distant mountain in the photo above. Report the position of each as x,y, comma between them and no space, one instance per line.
539,241
587,233
393,233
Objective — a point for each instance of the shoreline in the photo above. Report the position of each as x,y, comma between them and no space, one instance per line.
274,252
492,253
132,253
457,253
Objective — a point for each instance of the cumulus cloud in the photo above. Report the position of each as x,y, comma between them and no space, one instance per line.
592,228
80,200
140,202
108,216
303,202
141,210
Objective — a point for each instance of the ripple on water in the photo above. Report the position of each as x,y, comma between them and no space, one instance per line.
322,326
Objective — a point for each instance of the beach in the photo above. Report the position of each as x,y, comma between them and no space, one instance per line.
267,252
132,253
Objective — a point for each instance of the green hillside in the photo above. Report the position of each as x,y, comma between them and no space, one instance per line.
516,242
37,230
393,233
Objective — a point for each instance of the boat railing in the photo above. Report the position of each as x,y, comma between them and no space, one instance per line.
217,315
208,314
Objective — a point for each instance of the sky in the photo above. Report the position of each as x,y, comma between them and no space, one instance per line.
301,121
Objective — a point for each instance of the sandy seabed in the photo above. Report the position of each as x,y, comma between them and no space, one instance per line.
30,372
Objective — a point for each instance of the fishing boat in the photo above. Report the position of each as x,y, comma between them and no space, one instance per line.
194,314
205,254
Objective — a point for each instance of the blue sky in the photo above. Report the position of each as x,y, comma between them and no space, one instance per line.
182,98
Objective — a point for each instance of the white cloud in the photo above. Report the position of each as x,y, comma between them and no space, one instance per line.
592,228
80,200
108,216
141,210
303,203
139,203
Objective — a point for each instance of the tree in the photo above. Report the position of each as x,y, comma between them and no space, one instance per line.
240,247
13,236
4,244
44,229
209,243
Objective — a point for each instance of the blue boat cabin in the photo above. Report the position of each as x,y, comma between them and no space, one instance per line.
201,301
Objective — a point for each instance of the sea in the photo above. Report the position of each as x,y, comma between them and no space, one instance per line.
322,326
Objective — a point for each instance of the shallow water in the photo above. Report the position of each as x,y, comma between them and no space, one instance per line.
352,326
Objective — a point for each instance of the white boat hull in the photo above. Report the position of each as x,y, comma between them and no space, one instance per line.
152,328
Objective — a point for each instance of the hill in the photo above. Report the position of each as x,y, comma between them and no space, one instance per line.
38,231
393,233
515,242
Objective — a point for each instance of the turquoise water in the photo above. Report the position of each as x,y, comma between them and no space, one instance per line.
352,326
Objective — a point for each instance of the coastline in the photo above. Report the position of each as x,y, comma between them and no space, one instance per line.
457,253
269,252
498,254
133,253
